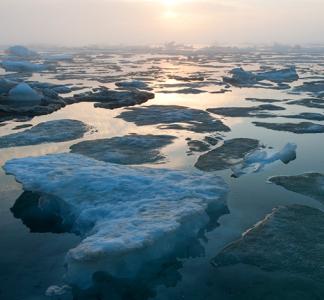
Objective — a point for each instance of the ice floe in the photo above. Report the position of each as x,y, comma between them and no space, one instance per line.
261,111
308,102
173,117
133,84
257,160
127,150
47,132
299,128
183,91
111,99
240,77
308,184
129,218
307,116
315,88
290,240
231,153
22,66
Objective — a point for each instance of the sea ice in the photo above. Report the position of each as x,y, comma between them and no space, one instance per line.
173,117
290,239
58,57
128,218
315,88
111,99
6,85
252,111
22,92
299,128
231,153
198,146
308,102
133,84
257,160
22,66
126,150
184,91
47,132
241,77
308,184
307,116
21,51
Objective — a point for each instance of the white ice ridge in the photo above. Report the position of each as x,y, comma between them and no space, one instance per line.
126,216
257,160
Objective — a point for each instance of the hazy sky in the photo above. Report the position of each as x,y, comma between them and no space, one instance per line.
83,22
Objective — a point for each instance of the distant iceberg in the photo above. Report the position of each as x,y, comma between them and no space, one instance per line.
21,51
128,217
23,92
22,66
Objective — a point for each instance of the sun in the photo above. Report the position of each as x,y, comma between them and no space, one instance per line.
169,2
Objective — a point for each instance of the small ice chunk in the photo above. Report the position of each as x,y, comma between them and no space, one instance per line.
257,160
23,92
56,290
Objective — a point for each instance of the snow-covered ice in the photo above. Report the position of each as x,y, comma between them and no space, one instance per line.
257,160
128,217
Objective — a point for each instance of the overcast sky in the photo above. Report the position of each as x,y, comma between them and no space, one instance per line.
105,22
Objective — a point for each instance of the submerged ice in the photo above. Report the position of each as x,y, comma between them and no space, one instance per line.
290,240
174,117
308,184
126,150
128,218
46,132
231,153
